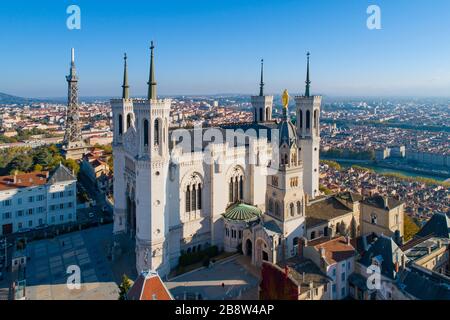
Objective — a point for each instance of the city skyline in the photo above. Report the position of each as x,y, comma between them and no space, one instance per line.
36,51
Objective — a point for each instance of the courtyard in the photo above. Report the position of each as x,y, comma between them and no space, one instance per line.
233,278
46,270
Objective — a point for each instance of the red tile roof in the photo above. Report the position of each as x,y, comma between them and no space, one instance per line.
336,249
23,180
149,286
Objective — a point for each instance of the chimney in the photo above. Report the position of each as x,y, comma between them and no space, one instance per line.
15,176
286,272
347,238
386,202
322,252
403,262
396,267
429,250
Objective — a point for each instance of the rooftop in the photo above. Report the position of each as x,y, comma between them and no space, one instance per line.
23,180
149,286
336,250
242,212
381,202
305,272
424,247
323,210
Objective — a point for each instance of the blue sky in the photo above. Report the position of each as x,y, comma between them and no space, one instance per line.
214,46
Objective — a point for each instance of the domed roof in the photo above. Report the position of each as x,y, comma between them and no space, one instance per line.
287,132
242,212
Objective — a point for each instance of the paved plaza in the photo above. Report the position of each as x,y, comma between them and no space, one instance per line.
46,276
240,281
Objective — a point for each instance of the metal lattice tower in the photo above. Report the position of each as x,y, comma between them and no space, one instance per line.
73,129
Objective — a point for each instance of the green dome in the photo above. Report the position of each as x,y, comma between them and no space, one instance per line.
242,212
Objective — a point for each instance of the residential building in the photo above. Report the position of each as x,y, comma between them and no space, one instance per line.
30,200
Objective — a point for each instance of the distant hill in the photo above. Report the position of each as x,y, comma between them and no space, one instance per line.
9,99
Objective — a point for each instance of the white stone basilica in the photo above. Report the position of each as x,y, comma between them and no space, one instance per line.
174,197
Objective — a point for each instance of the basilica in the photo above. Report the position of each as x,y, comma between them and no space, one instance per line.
183,190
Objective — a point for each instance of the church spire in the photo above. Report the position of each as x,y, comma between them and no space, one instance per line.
308,82
125,86
152,82
261,85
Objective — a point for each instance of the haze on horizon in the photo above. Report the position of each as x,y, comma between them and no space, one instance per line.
214,47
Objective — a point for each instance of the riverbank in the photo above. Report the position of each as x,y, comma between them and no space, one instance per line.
387,169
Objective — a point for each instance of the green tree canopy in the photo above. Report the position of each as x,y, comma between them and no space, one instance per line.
124,287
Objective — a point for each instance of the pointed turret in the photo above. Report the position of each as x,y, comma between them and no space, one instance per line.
308,82
152,82
261,85
125,86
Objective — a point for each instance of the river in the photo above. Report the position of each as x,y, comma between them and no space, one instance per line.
370,165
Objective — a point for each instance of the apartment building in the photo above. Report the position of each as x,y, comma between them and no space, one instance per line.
36,199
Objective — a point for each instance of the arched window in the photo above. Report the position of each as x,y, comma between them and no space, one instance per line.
299,208
128,121
194,191
308,119
241,188
120,124
230,194
188,199
267,114
146,133
291,209
313,235
199,196
261,114
301,119
277,209
315,119
270,206
236,185
295,241
156,132
194,198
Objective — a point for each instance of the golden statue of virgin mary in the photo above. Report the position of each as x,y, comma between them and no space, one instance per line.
285,98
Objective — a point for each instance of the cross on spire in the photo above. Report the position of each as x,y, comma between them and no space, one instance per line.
261,85
308,82
152,82
125,86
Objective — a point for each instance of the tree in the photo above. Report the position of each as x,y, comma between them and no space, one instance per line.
72,165
37,167
43,157
353,229
124,287
410,228
22,162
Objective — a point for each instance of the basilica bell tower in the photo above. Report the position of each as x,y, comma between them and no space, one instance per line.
308,133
